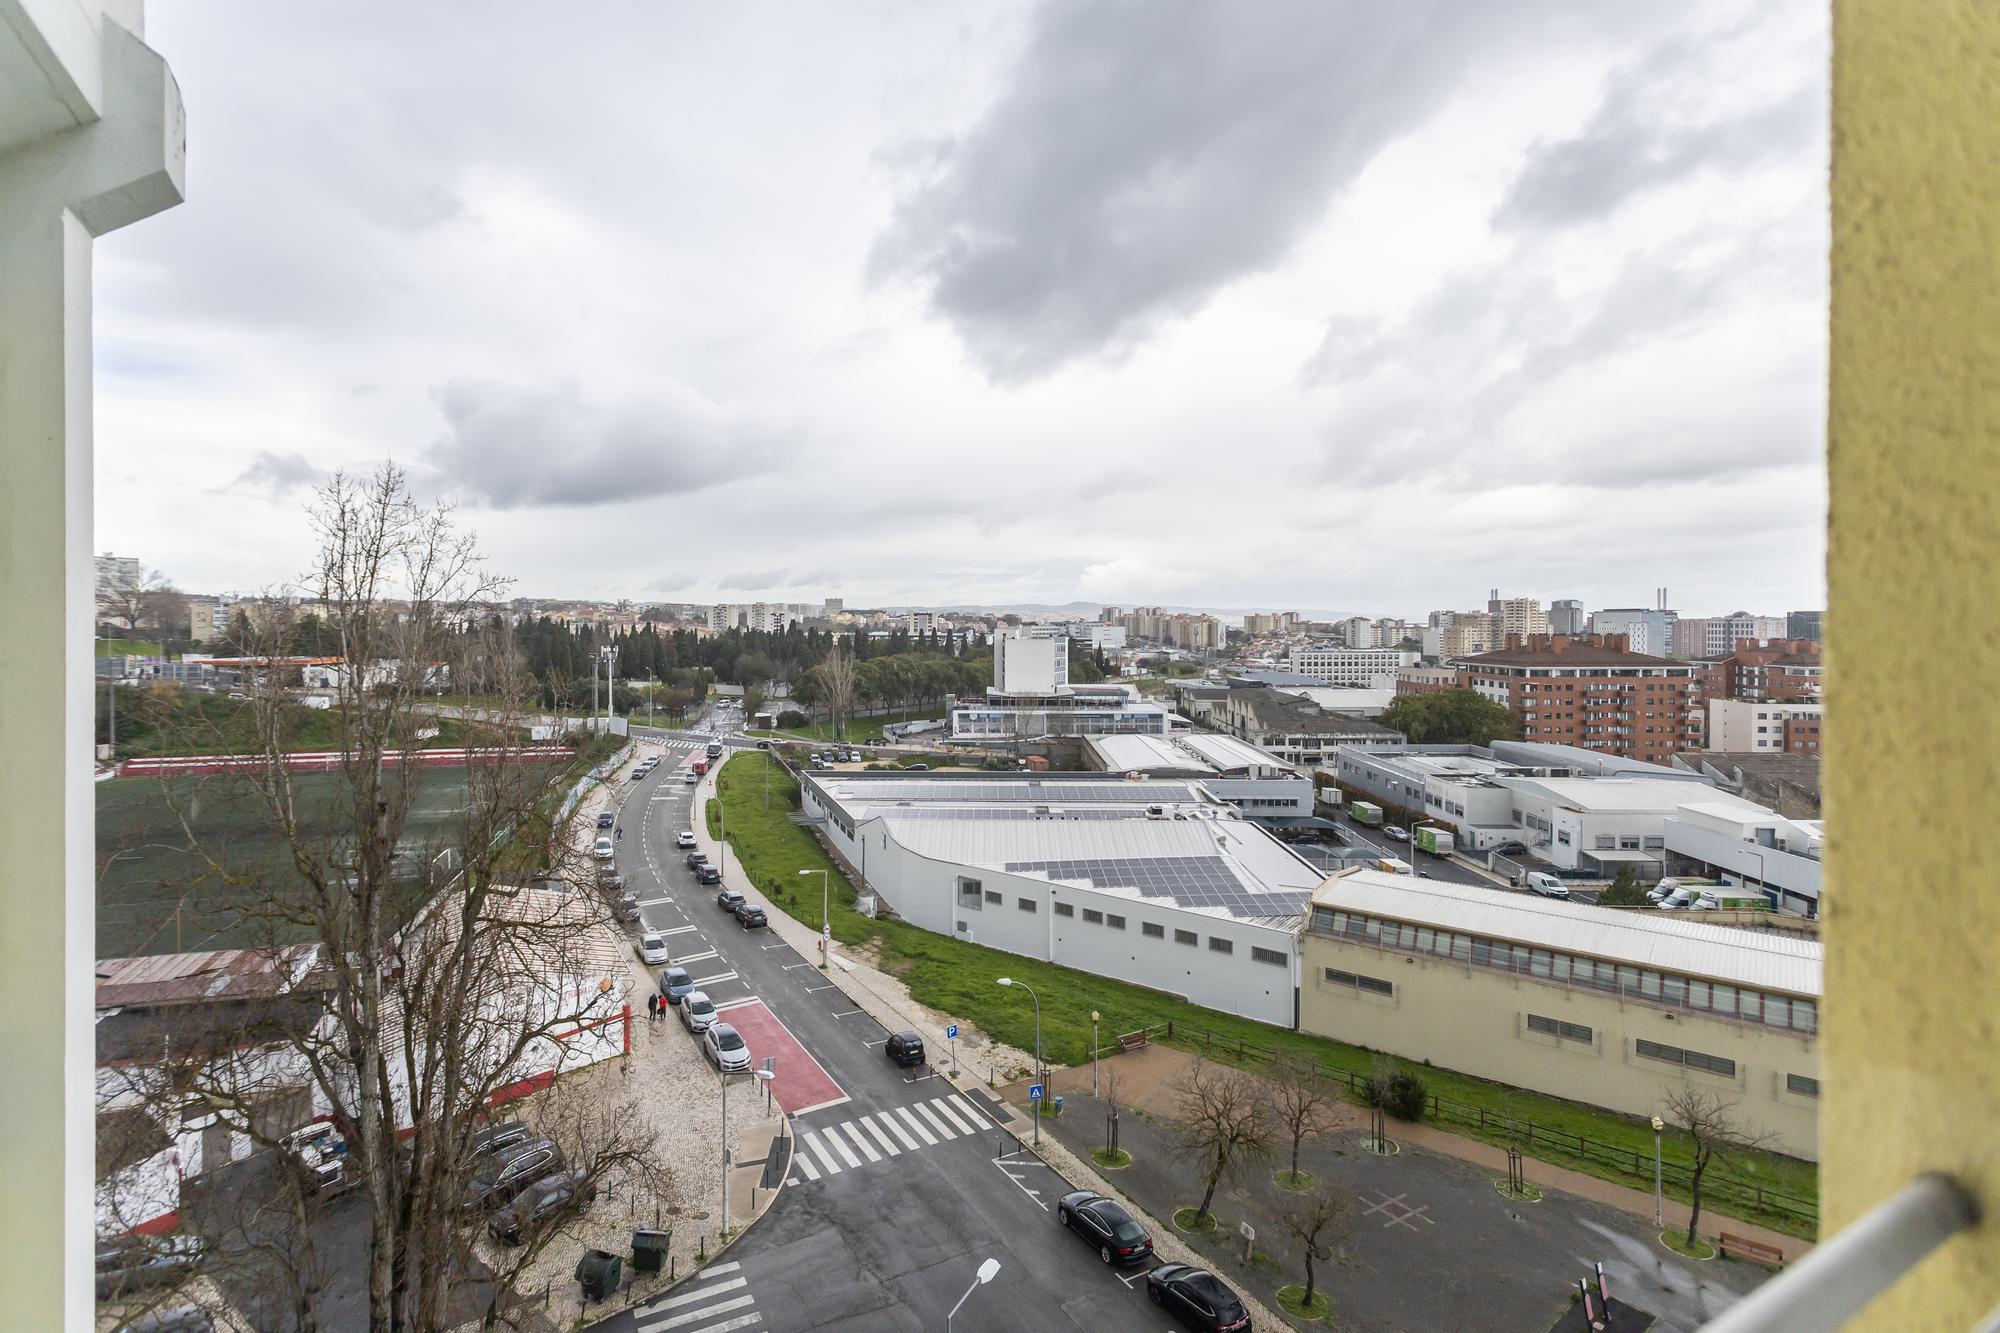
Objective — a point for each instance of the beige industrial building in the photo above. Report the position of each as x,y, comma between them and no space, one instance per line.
1606,1007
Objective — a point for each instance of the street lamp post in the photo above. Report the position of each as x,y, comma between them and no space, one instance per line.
987,1268
1658,1125
762,1076
1040,1080
825,914
1094,1018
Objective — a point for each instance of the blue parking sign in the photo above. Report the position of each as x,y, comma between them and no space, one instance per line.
1034,1092
951,1032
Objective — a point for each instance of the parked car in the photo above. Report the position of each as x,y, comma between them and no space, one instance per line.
603,849
609,880
904,1048
136,1263
640,773
763,745
547,1201
708,875
676,984
685,838
697,1012
729,900
626,909
318,1152
691,777
725,1048
1106,1225
916,768
652,948
1547,885
854,756
605,819
1395,834
1509,848
749,916
490,1139
695,860
508,1172
1197,1297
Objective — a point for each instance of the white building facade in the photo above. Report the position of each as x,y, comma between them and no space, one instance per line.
1336,665
1744,726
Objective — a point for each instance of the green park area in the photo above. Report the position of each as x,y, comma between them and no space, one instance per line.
852,729
757,798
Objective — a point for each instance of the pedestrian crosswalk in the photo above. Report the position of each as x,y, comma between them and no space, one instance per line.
830,1149
715,1300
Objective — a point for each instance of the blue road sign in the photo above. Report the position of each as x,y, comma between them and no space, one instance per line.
951,1031
1034,1092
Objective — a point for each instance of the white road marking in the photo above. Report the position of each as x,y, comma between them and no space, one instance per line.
805,1164
959,1100
791,966
945,1109
735,1004
715,980
901,1133
917,1125
932,1116
718,1270
741,1321
853,1131
677,930
701,957
881,1135
779,945
841,1100
819,1151
683,1320
690,1297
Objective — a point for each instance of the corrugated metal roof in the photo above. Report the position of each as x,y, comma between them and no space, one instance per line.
1137,753
1627,794
1766,960
1229,752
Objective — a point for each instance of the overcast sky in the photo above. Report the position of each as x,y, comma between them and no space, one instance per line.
1348,306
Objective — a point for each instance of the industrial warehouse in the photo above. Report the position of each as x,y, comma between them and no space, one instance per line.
1156,882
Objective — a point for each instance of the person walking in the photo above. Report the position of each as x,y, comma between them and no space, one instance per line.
653,1008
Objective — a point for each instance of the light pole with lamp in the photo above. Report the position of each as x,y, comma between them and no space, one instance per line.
987,1268
1094,1017
1658,1125
1040,1081
825,914
762,1076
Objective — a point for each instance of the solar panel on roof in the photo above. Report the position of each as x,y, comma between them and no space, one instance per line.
1191,881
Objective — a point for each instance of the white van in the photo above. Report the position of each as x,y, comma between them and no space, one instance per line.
1547,885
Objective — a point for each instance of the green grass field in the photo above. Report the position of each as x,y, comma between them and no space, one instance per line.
957,978
154,895
855,727
183,722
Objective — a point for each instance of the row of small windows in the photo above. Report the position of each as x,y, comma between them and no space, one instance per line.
1726,1001
1154,931
1555,1027
1376,985
1674,1055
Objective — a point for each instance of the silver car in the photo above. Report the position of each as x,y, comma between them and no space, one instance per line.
697,1012
653,948
725,1048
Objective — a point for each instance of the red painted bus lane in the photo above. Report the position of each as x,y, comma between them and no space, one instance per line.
800,1084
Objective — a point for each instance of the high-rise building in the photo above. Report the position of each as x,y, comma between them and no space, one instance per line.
1717,636
1646,629
1338,665
1746,726
1517,615
832,607
1593,692
1780,671
1567,616
1356,632
919,622
1469,632
1031,659
1804,625
721,617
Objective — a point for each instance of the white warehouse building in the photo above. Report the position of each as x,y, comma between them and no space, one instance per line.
1152,882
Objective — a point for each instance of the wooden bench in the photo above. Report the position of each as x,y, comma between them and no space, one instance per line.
1742,1247
1132,1041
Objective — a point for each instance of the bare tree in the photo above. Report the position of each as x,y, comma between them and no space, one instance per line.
1224,1125
1303,1102
1716,1131
836,682
1308,1219
440,976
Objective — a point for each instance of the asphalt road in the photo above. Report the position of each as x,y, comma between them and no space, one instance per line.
1441,868
898,1189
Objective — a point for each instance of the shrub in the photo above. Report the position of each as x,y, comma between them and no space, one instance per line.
1401,1094
791,717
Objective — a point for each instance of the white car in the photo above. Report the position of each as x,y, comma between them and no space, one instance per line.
691,778
725,1048
1395,834
653,949
602,849
1547,885
685,838
697,1012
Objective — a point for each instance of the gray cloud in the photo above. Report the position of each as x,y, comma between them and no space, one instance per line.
671,583
1634,142
513,446
755,580
1144,156
277,474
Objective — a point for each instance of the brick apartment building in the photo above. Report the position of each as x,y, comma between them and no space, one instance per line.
1780,671
1592,691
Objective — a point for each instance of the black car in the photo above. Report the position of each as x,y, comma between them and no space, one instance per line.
606,819
133,1263
1198,1297
628,907
543,1203
696,860
1106,1225
748,915
905,1048
507,1172
1509,848
708,875
497,1138
610,881
729,900
763,745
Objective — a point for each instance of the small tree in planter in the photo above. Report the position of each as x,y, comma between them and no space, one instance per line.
1310,1220
1717,1133
1303,1106
1223,1126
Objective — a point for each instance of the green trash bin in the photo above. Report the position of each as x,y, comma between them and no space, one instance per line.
598,1273
649,1250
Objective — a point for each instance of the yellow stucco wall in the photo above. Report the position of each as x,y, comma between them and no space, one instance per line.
1474,1021
1911,1044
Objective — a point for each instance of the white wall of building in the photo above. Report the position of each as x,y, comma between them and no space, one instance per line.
1030,660
1743,726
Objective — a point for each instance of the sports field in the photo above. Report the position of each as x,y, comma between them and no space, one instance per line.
155,896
